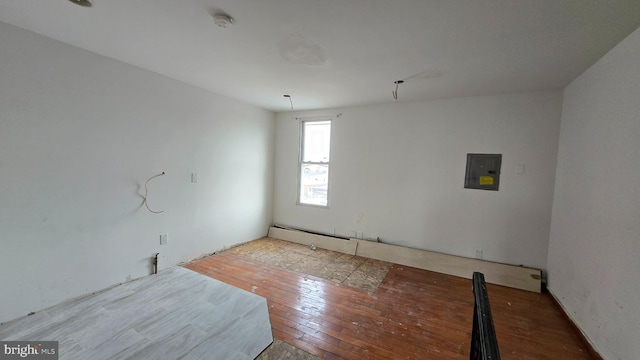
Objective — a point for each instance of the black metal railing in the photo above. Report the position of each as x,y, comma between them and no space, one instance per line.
484,344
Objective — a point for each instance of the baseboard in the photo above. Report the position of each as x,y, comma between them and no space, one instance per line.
587,344
321,241
496,273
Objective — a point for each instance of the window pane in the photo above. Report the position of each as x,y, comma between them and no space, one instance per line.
317,141
314,181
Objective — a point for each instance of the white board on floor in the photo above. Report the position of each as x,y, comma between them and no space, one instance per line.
321,241
495,273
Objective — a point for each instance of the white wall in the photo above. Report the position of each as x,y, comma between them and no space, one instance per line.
79,135
594,250
398,169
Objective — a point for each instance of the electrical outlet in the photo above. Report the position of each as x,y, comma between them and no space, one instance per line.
478,254
194,178
163,239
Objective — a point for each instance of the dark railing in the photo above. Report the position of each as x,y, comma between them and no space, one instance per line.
484,345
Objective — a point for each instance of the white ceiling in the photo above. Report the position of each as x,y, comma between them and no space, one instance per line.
335,53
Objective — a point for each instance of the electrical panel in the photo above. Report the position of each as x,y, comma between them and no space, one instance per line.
483,171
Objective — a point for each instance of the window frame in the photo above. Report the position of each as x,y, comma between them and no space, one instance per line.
301,162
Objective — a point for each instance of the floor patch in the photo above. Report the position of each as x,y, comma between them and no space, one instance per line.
350,270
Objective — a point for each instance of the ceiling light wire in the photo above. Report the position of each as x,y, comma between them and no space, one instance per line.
290,101
395,92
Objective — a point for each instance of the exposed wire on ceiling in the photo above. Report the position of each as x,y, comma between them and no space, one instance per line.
290,101
146,193
427,74
395,92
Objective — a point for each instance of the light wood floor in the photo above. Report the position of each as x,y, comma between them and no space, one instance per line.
414,314
176,314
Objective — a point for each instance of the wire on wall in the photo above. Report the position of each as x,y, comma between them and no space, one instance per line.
146,193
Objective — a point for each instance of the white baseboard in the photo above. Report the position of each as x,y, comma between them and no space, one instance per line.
495,273
321,241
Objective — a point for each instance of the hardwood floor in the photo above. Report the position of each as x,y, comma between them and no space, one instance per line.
414,314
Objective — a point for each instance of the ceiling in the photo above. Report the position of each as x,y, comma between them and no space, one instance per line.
336,53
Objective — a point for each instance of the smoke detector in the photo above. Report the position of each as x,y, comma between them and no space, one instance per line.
222,20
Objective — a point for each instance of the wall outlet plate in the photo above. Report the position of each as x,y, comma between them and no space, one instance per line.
163,239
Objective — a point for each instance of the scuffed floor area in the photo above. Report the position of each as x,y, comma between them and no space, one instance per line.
350,270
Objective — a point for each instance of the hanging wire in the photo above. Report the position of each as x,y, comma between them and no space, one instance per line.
290,101
146,193
395,92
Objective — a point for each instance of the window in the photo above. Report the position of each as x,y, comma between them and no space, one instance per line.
315,144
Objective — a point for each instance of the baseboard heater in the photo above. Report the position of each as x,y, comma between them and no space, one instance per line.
518,277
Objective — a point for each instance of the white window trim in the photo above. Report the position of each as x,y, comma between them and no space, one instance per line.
301,122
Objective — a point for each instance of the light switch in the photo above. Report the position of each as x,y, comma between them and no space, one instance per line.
520,169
